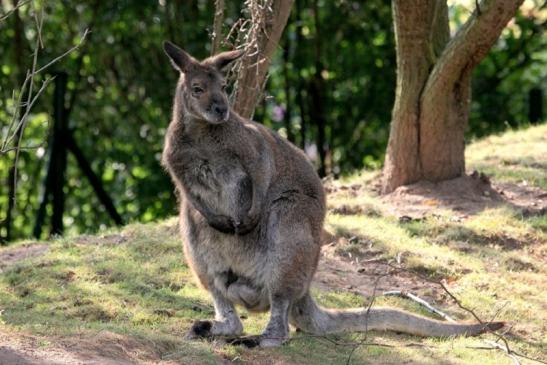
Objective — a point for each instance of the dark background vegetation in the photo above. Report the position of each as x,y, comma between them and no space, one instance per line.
120,87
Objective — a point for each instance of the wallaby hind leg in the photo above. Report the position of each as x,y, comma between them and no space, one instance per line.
277,330
226,322
293,255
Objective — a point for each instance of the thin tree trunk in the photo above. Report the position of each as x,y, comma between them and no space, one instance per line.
217,26
287,116
317,99
59,153
301,84
254,65
433,87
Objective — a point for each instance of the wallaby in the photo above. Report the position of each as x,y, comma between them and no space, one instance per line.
251,216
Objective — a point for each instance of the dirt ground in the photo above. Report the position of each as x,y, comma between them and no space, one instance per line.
464,196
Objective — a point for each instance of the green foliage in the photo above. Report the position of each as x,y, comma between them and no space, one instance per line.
122,87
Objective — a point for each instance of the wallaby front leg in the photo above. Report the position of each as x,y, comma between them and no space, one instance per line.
221,223
259,186
226,322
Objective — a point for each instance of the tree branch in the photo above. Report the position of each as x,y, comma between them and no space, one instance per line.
11,11
267,22
472,42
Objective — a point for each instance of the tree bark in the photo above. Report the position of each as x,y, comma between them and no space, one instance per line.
433,87
217,26
251,78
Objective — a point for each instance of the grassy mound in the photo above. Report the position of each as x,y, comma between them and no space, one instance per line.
129,296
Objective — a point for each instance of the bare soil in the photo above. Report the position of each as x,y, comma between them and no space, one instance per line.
464,196
12,256
368,277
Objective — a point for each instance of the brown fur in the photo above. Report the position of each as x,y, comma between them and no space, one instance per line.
251,213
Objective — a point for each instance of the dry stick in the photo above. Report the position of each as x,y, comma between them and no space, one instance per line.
22,124
363,341
17,104
30,78
505,349
69,51
420,301
456,300
438,282
500,347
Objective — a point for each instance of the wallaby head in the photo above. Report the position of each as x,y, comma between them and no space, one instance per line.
202,85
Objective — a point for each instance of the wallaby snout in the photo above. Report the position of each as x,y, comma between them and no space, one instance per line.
220,109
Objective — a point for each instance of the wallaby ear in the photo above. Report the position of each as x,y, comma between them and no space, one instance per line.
180,59
222,60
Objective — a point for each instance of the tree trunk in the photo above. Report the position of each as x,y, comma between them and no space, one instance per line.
433,87
217,26
287,116
317,97
300,83
269,19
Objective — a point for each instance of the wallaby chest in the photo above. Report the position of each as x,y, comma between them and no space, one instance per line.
215,171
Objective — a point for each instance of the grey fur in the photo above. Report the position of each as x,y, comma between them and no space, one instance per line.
251,216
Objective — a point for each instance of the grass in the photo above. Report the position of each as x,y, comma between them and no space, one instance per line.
515,156
134,282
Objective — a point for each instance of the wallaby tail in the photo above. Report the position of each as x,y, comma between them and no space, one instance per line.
310,317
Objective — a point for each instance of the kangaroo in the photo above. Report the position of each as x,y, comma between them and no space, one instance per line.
251,215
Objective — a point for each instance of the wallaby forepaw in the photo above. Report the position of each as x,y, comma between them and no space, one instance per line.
200,329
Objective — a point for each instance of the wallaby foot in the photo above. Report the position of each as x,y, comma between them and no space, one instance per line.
226,322
200,329
209,329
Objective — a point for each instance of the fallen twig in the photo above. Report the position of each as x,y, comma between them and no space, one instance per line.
421,302
505,349
500,336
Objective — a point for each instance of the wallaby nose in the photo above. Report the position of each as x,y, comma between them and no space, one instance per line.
220,110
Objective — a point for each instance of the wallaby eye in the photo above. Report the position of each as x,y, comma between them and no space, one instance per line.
197,90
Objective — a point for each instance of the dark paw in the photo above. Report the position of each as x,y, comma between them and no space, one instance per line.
222,223
247,341
246,226
200,329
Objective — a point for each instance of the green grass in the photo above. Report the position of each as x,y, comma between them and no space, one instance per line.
134,282
515,156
